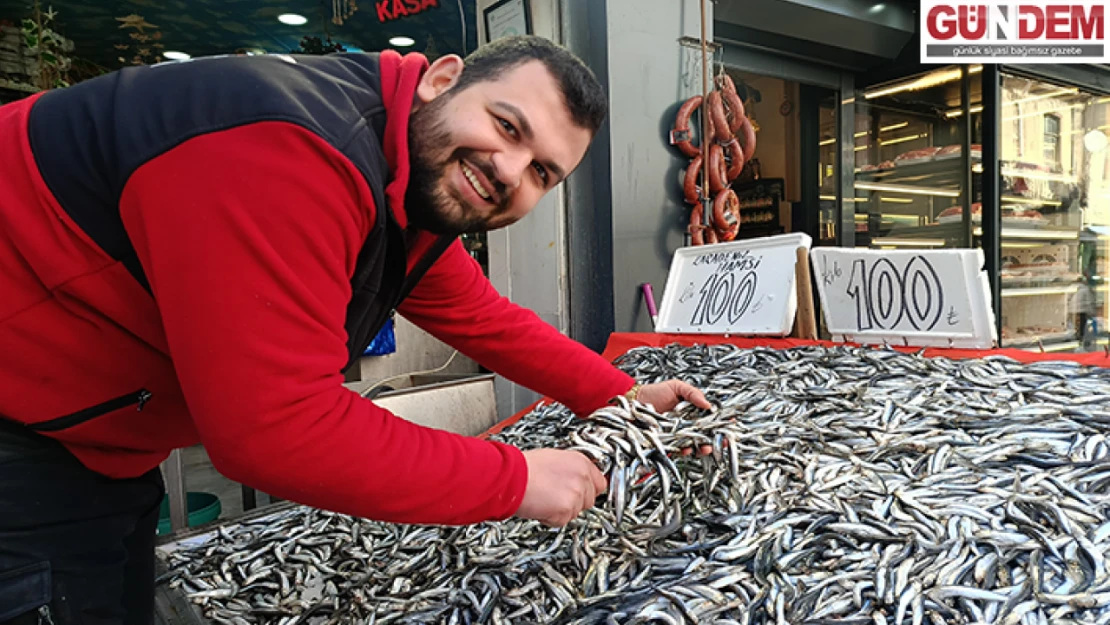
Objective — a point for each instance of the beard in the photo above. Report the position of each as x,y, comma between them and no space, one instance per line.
430,202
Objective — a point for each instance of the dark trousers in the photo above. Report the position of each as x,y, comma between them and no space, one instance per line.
75,547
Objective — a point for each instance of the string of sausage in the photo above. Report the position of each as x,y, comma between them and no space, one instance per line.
733,144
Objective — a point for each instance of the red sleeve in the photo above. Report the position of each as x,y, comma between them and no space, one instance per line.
458,305
248,237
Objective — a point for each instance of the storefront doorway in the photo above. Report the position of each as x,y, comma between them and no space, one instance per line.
793,182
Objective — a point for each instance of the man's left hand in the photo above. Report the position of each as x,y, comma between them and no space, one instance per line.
665,396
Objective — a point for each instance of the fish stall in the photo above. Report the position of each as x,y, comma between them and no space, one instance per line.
832,482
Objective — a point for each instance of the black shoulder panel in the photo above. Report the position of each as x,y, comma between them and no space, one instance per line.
89,138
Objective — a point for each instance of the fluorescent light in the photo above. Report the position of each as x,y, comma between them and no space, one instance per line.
897,200
401,42
292,19
907,242
897,188
828,142
894,127
901,139
174,55
1036,233
924,82
958,112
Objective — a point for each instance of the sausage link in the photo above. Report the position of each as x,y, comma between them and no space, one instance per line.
736,159
733,104
726,212
718,171
716,108
690,185
682,127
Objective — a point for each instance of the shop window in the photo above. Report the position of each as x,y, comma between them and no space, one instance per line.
909,182
1055,205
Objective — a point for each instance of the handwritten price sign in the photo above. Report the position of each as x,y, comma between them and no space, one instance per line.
739,287
912,297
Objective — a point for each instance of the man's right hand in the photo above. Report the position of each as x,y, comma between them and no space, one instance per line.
561,484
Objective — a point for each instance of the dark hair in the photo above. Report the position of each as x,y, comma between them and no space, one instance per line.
584,96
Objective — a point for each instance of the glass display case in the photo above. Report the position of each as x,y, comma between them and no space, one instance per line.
1055,204
913,175
918,163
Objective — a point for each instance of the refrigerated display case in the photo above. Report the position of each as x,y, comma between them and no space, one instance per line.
919,162
916,156
1055,212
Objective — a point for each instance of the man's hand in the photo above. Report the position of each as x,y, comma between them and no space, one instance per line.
665,396
561,484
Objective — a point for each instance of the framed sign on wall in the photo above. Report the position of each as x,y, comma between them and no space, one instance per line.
506,18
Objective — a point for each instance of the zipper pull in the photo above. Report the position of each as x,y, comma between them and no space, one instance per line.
44,616
144,397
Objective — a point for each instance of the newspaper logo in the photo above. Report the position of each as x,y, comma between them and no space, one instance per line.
1013,32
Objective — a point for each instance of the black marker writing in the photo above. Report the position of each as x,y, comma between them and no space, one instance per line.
953,319
885,296
687,293
723,294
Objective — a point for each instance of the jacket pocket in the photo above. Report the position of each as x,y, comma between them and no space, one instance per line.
137,399
25,590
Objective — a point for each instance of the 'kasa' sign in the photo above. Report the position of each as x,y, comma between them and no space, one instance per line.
389,10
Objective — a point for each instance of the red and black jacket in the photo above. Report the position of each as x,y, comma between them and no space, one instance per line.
195,251
113,124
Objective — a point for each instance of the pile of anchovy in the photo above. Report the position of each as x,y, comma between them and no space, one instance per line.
828,485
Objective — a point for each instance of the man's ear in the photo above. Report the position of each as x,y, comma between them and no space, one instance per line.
441,76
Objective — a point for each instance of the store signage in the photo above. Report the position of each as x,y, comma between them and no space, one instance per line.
389,10
1013,32
742,287
937,298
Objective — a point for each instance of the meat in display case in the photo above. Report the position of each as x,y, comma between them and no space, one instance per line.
909,170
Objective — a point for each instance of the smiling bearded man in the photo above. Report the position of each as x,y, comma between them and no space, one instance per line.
194,252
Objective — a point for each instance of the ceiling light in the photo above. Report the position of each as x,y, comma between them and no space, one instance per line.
174,55
401,42
292,19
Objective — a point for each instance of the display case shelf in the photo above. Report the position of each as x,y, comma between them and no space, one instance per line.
941,177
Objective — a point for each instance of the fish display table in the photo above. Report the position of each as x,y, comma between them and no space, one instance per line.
830,484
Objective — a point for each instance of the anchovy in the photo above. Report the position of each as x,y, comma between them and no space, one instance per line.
830,485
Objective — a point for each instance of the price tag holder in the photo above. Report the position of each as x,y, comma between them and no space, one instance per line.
924,298
740,287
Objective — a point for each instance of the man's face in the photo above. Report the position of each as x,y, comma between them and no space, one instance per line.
482,157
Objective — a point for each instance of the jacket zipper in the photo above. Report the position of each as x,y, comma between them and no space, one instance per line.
139,399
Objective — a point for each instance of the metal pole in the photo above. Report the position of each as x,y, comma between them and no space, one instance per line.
705,203
966,183
992,211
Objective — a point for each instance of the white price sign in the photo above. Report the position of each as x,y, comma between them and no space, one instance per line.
739,287
937,298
